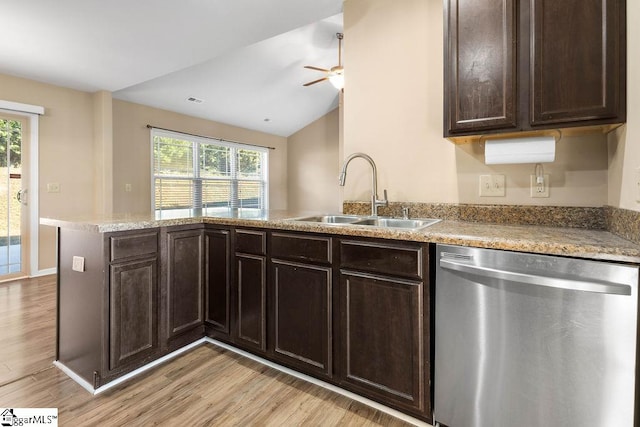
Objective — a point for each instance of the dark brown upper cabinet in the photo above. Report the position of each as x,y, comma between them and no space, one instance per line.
530,65
480,65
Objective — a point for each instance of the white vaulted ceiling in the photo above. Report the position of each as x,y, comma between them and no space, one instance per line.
244,58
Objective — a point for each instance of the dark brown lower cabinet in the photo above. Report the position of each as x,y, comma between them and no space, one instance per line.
184,282
351,311
217,246
131,264
383,346
133,312
301,316
251,329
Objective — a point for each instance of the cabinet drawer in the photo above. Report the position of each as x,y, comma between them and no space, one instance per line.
394,260
251,242
133,245
297,247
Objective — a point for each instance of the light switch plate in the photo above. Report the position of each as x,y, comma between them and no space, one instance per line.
53,187
540,190
492,186
78,264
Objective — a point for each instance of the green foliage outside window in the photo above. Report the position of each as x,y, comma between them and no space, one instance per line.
11,137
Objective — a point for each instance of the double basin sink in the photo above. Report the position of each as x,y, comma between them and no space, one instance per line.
381,222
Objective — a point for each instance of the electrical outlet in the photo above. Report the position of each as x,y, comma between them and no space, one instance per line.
492,186
127,188
78,264
540,189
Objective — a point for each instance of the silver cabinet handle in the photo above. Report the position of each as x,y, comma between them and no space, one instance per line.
532,279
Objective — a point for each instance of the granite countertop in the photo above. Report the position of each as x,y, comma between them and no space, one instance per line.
575,242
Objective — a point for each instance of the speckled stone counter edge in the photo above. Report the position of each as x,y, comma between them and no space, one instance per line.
621,222
594,243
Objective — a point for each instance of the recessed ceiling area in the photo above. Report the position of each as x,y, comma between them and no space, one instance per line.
243,59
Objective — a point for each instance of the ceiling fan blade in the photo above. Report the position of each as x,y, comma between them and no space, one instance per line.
316,68
316,81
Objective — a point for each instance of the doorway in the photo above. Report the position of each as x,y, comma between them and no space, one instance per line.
13,197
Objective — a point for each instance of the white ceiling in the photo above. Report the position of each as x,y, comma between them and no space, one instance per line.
244,58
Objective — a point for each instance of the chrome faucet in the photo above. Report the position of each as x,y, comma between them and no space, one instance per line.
375,202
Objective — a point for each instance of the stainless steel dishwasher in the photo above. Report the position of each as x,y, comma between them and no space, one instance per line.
533,340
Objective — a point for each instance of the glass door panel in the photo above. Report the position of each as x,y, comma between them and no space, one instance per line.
11,193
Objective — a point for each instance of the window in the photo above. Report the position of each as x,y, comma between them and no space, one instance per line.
192,172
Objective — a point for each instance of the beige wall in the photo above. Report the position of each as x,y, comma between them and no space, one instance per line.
313,166
393,100
393,111
92,145
132,152
103,152
66,152
578,175
624,145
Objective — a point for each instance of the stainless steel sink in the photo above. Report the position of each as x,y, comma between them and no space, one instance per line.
409,224
330,219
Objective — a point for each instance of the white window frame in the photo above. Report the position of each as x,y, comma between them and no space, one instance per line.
197,140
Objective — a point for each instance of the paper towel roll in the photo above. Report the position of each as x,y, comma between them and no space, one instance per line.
538,149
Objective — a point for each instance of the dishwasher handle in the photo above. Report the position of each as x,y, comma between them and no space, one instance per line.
533,279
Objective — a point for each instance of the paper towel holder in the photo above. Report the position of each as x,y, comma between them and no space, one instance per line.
498,136
521,148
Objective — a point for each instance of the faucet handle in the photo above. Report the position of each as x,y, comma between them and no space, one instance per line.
405,212
383,201
378,202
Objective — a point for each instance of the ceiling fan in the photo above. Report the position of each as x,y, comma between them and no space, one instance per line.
335,74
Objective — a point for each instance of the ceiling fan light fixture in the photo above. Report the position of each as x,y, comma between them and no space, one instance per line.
336,74
337,79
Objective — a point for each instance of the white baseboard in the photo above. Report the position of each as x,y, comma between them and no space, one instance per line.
87,386
77,378
45,272
393,412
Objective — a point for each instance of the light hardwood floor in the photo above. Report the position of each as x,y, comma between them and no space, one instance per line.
27,327
207,386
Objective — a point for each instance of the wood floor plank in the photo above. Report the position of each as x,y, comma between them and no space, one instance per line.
207,386
27,326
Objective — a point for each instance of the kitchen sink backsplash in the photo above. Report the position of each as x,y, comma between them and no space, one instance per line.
622,222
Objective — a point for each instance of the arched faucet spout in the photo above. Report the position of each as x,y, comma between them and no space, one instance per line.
375,202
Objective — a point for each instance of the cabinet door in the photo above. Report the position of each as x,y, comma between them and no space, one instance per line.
133,312
184,281
578,62
217,279
302,316
252,301
480,65
383,340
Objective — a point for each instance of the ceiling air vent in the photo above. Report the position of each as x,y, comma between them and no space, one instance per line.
195,100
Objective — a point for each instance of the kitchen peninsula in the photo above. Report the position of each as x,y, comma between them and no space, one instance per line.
312,297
